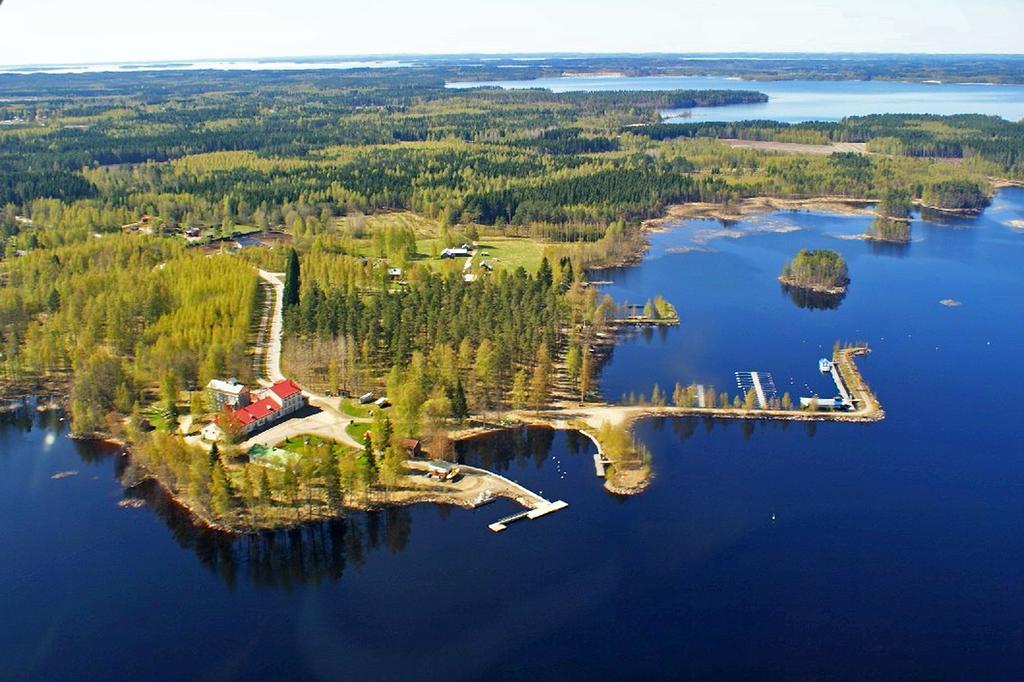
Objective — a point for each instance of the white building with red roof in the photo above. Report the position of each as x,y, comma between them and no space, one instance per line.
277,402
288,396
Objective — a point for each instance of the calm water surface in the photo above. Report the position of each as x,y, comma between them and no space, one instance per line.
762,550
796,100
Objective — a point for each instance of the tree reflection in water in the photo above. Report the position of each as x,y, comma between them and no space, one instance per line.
310,554
813,300
498,451
886,248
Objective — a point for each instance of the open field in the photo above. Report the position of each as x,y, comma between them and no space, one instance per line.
796,148
503,252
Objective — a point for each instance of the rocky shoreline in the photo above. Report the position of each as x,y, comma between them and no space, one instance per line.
834,290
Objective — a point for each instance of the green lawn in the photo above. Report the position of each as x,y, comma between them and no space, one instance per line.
358,430
353,409
503,252
511,252
300,444
161,419
278,458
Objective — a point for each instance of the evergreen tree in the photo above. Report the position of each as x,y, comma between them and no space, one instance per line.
544,274
290,483
169,393
220,490
586,374
263,486
573,360
540,381
520,394
199,480
460,410
291,280
248,490
368,455
332,480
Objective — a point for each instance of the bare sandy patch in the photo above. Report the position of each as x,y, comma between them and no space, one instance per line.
756,205
798,148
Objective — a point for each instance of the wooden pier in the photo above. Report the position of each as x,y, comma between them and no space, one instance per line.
536,506
535,513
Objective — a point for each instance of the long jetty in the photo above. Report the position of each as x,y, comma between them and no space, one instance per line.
866,407
536,505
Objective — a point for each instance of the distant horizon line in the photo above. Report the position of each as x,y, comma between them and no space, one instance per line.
532,54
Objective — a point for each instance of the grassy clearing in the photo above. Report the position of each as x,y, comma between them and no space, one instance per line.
160,419
503,252
511,252
309,444
301,444
422,227
354,409
357,430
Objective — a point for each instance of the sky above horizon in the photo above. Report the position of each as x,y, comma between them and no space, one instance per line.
73,31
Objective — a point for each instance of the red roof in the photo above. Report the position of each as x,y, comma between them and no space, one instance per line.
242,417
285,388
262,408
257,410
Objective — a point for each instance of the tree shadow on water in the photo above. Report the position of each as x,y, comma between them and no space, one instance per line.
812,300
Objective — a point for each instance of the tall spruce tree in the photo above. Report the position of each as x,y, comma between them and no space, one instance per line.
460,409
291,280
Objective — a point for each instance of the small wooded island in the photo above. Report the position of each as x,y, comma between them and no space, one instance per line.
819,270
893,221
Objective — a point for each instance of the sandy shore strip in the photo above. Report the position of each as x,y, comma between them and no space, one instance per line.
757,205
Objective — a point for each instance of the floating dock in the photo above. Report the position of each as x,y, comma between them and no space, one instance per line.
535,513
761,382
536,506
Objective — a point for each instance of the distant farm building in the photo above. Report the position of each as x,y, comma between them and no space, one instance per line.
412,447
456,252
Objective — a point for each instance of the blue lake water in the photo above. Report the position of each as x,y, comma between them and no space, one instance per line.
797,100
761,550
